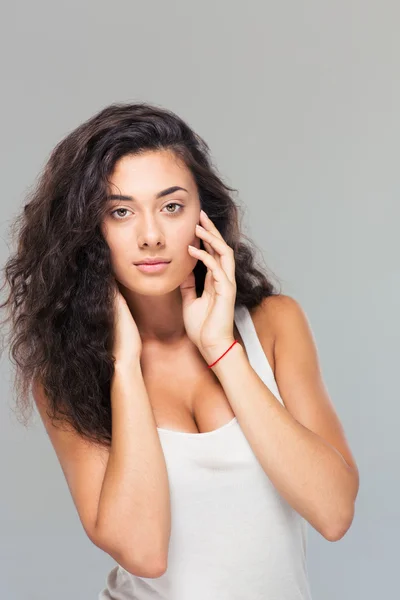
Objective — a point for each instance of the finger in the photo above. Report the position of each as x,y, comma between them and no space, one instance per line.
219,274
207,245
207,223
209,287
209,248
226,258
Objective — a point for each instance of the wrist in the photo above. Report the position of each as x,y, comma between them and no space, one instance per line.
216,352
122,366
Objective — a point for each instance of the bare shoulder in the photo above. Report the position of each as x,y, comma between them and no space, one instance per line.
277,314
281,319
277,306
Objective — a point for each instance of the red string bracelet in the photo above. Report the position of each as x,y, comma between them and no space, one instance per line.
209,366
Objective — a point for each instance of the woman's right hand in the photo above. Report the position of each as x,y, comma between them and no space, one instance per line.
127,345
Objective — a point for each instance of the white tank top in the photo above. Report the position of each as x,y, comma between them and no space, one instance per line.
233,536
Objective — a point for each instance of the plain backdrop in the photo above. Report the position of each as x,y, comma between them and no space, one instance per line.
299,102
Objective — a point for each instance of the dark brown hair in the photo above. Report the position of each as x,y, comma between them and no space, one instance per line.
61,283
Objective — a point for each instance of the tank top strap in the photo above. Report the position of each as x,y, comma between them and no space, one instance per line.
254,349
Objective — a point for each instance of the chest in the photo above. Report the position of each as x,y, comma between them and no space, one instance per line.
185,395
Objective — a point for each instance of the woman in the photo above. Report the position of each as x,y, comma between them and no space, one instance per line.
194,428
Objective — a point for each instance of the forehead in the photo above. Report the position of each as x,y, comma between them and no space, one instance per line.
147,171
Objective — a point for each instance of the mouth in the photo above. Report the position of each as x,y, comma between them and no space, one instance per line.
152,261
152,267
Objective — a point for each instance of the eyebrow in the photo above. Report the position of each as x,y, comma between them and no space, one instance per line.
161,194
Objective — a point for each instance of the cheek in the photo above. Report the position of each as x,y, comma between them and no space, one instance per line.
120,253
186,235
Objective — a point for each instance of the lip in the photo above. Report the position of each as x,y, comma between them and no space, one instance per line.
150,261
152,267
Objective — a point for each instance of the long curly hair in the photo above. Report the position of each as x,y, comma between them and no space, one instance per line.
60,280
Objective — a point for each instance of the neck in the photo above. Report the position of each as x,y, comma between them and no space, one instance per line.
158,318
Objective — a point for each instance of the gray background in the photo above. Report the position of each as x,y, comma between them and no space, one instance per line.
299,102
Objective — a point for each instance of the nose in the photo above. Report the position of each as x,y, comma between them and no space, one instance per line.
150,234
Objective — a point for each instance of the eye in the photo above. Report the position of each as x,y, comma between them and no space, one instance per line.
174,204
115,211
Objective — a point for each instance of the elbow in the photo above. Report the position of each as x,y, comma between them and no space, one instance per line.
344,520
145,567
336,532
149,564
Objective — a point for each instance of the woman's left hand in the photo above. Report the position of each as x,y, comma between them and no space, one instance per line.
209,319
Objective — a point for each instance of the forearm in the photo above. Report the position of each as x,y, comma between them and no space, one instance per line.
134,505
308,472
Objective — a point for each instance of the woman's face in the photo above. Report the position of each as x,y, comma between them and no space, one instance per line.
146,226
